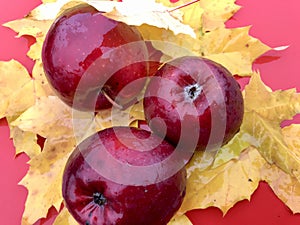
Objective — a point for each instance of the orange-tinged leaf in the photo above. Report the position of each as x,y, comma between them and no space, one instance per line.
222,186
25,222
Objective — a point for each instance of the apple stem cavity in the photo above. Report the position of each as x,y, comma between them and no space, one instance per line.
192,92
182,6
99,199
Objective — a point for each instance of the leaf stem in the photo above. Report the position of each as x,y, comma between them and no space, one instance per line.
184,5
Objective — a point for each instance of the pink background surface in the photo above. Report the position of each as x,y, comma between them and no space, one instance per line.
275,22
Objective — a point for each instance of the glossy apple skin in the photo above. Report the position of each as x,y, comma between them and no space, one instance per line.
206,119
86,54
120,204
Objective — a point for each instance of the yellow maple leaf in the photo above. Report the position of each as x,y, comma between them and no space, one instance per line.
194,30
291,136
48,10
205,15
33,27
49,117
191,14
117,117
30,26
217,13
286,187
180,220
35,49
275,105
11,83
52,119
15,84
146,12
25,142
129,11
44,178
231,150
62,127
222,186
65,218
233,48
264,112
40,79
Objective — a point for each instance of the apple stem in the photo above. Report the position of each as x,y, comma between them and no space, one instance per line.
111,100
182,6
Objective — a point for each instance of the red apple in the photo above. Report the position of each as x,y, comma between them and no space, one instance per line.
89,58
122,176
195,103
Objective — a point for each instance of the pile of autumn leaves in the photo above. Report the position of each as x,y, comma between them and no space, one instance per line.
262,150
